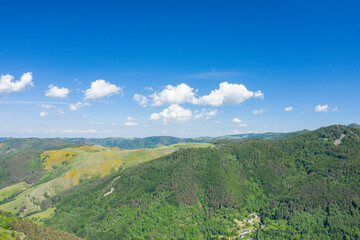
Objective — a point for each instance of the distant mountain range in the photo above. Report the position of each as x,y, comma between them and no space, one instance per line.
158,141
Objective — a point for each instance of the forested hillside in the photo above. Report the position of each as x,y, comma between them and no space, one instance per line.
302,187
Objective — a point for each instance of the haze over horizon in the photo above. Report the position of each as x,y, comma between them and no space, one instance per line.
184,69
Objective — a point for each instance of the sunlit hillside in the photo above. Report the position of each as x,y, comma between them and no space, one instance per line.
68,167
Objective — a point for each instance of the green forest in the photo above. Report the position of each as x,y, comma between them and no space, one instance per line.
301,187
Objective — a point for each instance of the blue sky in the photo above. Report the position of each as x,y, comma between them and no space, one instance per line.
202,68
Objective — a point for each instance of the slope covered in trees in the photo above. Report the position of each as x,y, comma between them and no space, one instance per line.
302,187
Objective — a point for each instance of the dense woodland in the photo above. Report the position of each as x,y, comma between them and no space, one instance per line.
302,187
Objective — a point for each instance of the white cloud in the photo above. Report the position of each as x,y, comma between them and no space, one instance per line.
258,94
324,108
236,120
321,108
142,100
75,107
43,113
228,94
131,119
242,125
173,113
260,111
51,109
57,92
131,123
206,114
288,109
100,89
149,88
7,83
182,93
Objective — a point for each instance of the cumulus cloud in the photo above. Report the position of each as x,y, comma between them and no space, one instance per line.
131,119
324,108
131,124
236,120
258,94
288,109
57,92
78,105
43,113
173,113
321,108
182,93
100,89
206,114
142,100
227,94
242,125
260,111
7,83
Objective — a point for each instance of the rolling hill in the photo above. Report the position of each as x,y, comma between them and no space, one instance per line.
303,187
67,167
20,158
